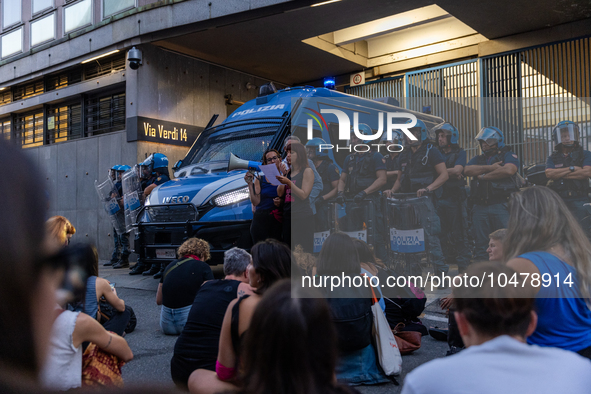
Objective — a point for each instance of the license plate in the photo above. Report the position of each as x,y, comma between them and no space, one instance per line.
165,253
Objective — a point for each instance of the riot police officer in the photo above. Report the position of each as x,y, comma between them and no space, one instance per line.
421,170
329,173
156,168
452,205
363,176
495,177
569,168
121,240
113,174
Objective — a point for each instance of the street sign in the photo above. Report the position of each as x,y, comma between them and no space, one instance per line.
357,79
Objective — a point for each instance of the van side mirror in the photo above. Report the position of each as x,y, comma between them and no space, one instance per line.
177,165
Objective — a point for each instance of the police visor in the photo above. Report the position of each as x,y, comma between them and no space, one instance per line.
566,134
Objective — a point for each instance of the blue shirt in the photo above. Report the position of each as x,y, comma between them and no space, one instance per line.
460,160
564,320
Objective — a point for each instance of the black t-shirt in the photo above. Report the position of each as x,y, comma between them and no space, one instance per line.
180,285
198,343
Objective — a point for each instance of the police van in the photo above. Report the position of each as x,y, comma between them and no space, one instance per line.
207,201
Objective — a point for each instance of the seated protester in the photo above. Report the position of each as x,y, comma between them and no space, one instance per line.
180,283
291,345
59,230
63,366
368,265
271,261
351,313
494,323
306,262
97,289
197,346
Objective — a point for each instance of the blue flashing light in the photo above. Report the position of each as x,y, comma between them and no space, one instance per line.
329,83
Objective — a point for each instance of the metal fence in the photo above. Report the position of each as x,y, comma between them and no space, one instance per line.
525,93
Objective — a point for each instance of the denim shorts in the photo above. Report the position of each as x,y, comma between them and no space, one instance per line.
172,321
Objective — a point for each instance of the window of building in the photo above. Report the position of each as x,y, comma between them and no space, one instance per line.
61,80
12,42
28,90
104,66
11,12
105,114
43,30
5,96
29,129
111,7
64,123
41,5
77,15
5,129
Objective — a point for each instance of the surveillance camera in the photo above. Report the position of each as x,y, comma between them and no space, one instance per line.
134,57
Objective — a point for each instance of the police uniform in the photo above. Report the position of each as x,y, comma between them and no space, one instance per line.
418,172
329,173
574,192
452,211
490,199
361,171
120,241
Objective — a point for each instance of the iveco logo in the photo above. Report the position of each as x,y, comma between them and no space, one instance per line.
175,200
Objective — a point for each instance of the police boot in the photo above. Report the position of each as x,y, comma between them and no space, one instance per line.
153,270
109,263
161,272
123,263
139,268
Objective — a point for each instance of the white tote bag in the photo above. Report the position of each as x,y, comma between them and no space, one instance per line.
388,353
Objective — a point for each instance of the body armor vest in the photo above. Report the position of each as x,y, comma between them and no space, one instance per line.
569,187
415,174
499,189
361,173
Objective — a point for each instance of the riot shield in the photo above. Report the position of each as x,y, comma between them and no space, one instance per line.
109,197
133,195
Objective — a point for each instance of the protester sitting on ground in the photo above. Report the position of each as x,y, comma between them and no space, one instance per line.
291,345
60,230
99,288
494,323
495,245
271,261
63,367
351,313
545,241
305,261
28,279
369,266
197,346
180,283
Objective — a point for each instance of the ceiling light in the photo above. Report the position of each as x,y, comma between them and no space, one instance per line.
324,2
99,56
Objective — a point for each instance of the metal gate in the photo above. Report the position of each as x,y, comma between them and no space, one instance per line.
527,92
387,87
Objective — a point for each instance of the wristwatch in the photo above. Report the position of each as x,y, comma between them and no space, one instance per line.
571,168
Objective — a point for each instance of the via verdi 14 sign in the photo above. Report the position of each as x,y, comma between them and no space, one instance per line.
153,130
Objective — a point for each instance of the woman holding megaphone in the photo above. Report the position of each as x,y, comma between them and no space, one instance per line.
267,218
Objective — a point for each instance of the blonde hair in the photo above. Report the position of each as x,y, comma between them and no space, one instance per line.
306,261
196,246
498,235
538,220
57,229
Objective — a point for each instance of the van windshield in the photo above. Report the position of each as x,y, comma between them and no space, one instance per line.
248,141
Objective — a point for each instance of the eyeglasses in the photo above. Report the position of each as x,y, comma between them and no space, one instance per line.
272,159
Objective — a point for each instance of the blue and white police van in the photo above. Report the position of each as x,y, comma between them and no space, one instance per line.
206,201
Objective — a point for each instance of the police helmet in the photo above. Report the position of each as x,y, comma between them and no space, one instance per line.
397,137
156,161
450,131
314,145
566,133
364,129
123,168
113,171
425,134
491,135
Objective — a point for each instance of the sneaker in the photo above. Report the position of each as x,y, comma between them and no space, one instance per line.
121,264
138,269
153,270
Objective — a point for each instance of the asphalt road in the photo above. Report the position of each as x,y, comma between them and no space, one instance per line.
153,350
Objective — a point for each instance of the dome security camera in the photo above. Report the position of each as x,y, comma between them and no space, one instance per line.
134,57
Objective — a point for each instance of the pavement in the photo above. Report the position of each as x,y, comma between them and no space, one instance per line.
153,350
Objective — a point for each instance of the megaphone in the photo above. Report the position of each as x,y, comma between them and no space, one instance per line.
236,163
